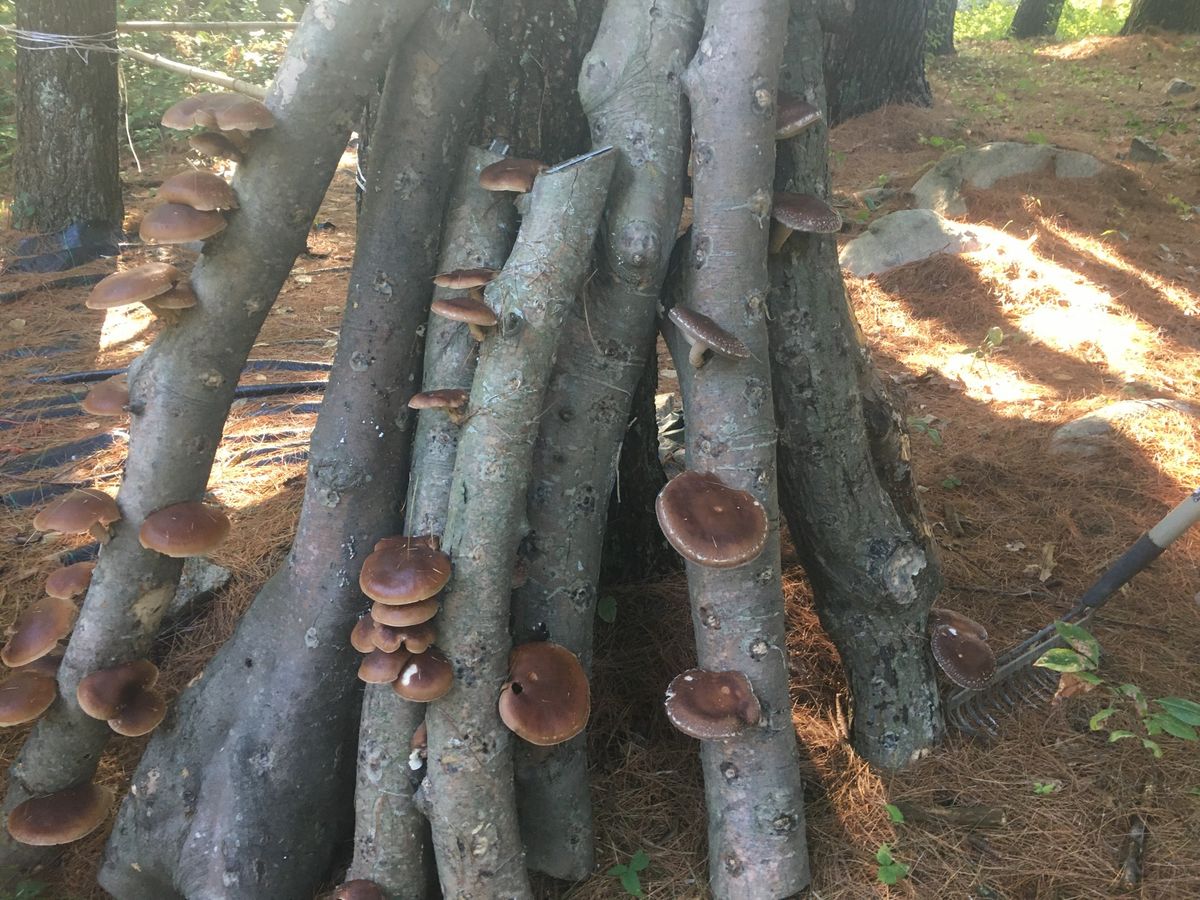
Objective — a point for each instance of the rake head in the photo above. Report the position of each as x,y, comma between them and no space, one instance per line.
1016,683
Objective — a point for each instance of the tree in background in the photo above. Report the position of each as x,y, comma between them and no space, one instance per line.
1171,15
1036,18
66,165
939,30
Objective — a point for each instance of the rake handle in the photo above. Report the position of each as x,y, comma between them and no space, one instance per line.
1147,549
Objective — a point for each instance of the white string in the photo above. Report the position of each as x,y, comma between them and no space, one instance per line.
80,44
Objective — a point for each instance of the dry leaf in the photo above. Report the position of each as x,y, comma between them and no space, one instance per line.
1071,685
1047,567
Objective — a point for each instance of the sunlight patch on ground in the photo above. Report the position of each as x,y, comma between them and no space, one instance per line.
125,327
1084,48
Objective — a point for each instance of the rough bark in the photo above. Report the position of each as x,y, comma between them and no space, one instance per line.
479,230
629,86
266,799
753,789
182,386
469,786
879,60
66,167
847,489
1036,18
939,30
1170,15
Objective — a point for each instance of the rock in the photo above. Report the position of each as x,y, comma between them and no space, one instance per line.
1095,433
1177,86
1142,150
200,578
940,188
906,236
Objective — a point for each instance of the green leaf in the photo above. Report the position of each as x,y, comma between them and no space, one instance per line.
617,870
1060,659
894,813
639,861
1152,747
1089,677
935,436
1184,710
1081,640
1119,734
1171,725
1194,792
994,337
951,482
631,883
892,872
1134,693
1045,787
1097,720
883,855
606,608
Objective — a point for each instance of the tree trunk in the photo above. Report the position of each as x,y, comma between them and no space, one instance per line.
238,826
629,86
879,60
753,789
480,226
469,786
1170,15
847,491
181,387
939,30
1036,18
66,167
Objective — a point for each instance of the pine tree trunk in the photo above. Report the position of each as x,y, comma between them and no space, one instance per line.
629,86
879,60
1169,15
753,789
1036,18
939,30
66,166
847,491
182,386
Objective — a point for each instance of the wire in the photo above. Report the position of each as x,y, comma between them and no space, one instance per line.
81,44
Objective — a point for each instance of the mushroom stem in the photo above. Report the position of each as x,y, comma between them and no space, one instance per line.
696,355
477,331
100,532
779,236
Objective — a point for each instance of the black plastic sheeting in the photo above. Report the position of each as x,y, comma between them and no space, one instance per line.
60,455
74,245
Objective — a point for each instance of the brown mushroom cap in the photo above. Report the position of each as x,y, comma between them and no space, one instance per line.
432,541
702,334
360,634
378,667
140,715
107,398
967,661
709,522
47,665
405,616
939,616
196,110
199,190
711,705
426,676
38,630
60,818
359,889
443,398
464,309
803,212
511,175
396,575
105,692
134,286
546,699
184,529
24,696
244,114
175,223
461,279
70,581
180,297
77,512
215,144
793,115
415,638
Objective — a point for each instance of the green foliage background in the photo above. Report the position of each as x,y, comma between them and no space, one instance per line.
1080,18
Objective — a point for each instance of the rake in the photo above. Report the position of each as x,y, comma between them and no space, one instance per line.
1017,681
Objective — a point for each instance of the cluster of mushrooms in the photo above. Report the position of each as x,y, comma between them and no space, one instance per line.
124,695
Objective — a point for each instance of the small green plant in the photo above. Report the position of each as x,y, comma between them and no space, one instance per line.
1036,137
943,143
21,888
1174,716
895,816
889,871
628,873
606,608
924,425
951,482
1042,788
1181,206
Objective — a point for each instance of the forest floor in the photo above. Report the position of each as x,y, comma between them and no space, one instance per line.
1099,302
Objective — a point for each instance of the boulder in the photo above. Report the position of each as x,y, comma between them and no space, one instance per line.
1094,434
906,236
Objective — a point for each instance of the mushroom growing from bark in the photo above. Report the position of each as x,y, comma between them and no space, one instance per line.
463,279
939,616
24,696
546,699
175,223
225,111
966,659
793,115
184,529
801,212
199,190
38,630
83,510
477,314
515,175
108,398
61,817
359,889
425,677
452,400
405,616
709,522
712,705
134,285
378,667
703,334
70,581
124,695
396,575
215,144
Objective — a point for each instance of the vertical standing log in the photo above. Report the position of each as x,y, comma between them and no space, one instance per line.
629,85
847,490
250,799
182,386
479,230
752,782
472,806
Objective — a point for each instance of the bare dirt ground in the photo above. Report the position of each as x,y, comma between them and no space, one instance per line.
1098,300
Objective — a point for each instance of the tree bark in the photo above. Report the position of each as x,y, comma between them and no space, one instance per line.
1169,15
939,30
182,386
879,60
1036,18
480,226
469,786
753,789
629,86
240,824
847,489
66,167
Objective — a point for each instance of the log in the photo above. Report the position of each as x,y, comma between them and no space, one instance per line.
195,73
192,27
